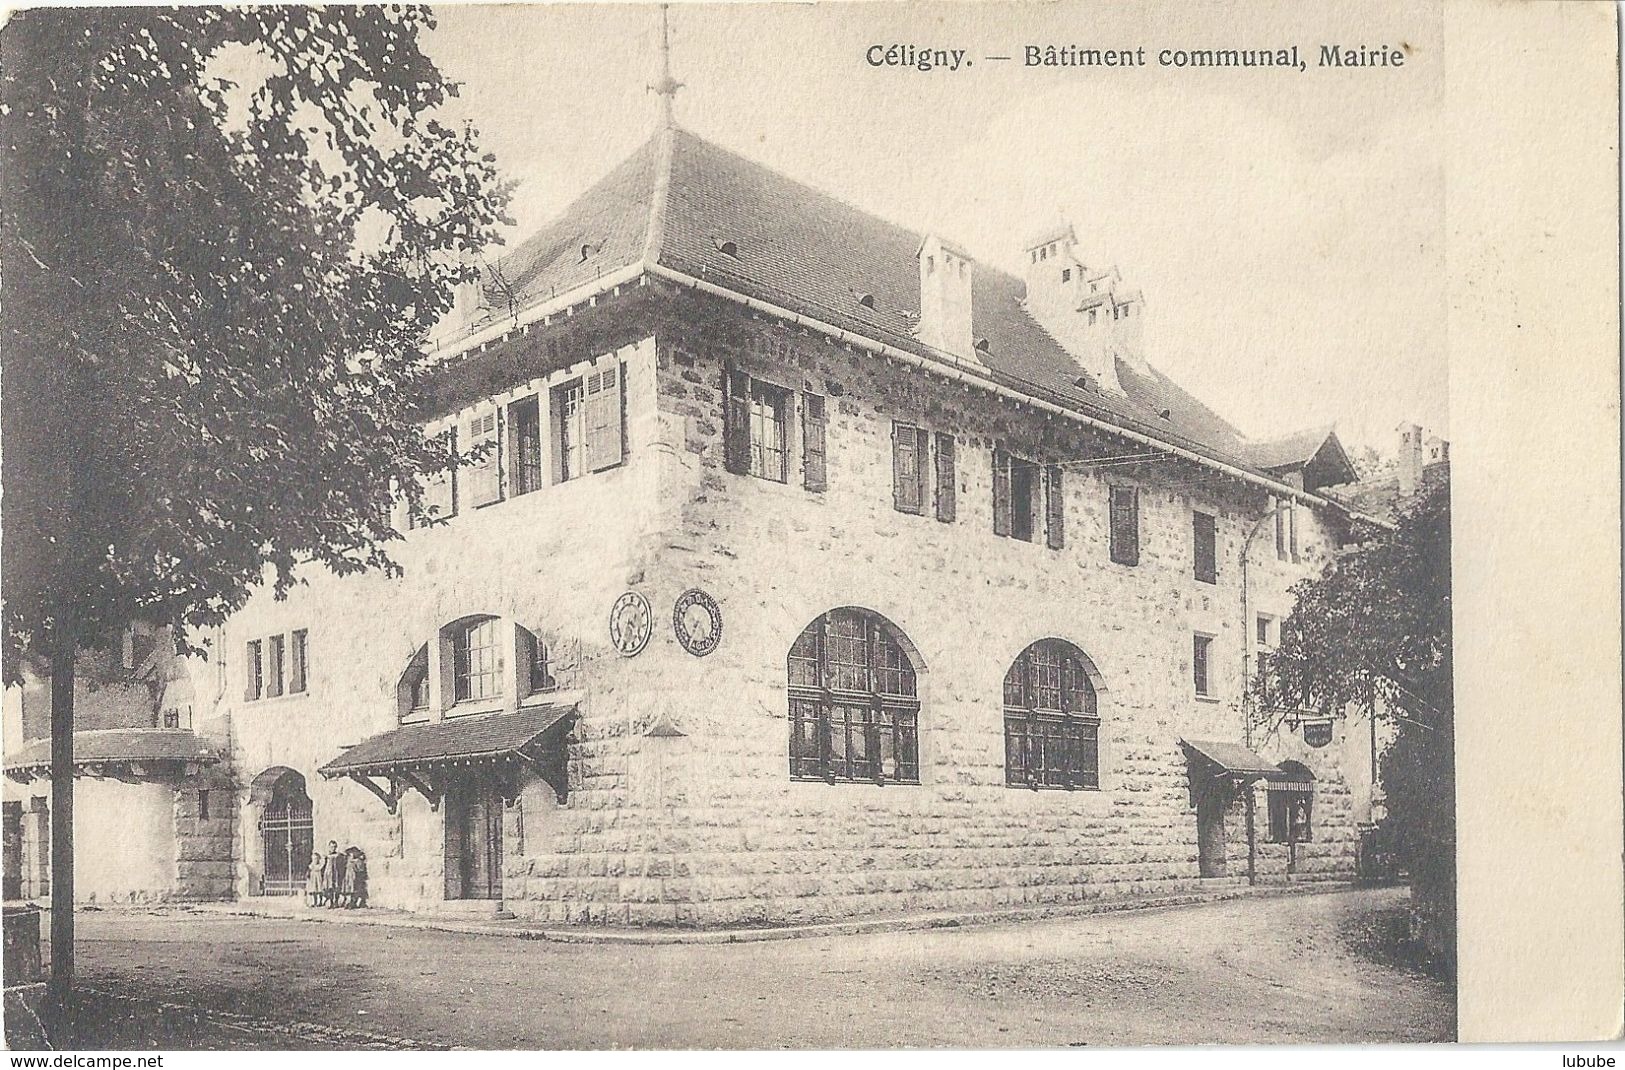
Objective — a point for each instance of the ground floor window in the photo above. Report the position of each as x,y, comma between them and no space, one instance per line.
854,711
1290,816
1051,720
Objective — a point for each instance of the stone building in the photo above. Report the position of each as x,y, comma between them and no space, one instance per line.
144,826
813,569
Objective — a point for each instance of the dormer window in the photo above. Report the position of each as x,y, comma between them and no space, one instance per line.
726,248
866,300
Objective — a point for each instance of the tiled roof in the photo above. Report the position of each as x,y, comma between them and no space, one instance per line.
460,739
1297,448
679,199
117,745
1232,757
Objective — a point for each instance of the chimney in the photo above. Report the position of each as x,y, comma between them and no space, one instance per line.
1088,311
1409,464
946,272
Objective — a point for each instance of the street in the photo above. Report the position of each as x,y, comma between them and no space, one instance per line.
1308,969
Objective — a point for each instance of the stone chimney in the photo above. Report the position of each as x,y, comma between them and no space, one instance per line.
1089,311
1409,463
946,273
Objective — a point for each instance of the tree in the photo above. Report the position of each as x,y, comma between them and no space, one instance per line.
225,233
1376,629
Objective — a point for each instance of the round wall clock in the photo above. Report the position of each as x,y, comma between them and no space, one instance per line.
697,621
630,623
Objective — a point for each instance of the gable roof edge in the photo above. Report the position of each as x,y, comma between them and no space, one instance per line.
655,233
952,367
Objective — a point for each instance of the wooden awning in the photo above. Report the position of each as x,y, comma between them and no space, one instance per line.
1231,759
129,754
422,756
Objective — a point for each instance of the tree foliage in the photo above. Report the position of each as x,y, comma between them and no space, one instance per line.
1377,628
225,234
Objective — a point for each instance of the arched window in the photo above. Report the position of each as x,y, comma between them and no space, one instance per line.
1051,721
854,710
1292,799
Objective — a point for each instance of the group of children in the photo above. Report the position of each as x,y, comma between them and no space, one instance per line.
338,878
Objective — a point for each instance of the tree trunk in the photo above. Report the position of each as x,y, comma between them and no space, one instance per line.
63,654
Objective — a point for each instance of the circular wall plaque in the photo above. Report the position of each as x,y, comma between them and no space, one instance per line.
697,620
630,623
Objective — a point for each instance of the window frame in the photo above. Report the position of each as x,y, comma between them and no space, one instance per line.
1202,665
1029,723
254,670
569,407
276,663
463,658
774,401
525,429
869,713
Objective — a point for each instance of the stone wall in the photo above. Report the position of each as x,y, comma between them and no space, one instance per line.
707,827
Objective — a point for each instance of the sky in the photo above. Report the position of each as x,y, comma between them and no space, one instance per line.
1285,227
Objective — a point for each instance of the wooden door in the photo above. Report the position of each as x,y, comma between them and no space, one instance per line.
473,842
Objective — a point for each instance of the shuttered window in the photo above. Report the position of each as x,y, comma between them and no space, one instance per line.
1001,492
570,418
525,438
440,492
1051,719
253,671
484,478
1280,527
736,421
298,661
854,710
910,448
1024,479
1292,529
1204,537
1054,508
1125,525
276,649
769,454
605,445
814,472
947,485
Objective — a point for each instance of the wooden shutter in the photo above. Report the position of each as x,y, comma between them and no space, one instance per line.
1055,507
297,649
736,420
1203,536
1001,492
440,493
605,446
251,670
905,467
1280,526
1125,524
814,475
485,475
1292,528
947,485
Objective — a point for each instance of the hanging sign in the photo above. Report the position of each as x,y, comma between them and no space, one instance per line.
1317,733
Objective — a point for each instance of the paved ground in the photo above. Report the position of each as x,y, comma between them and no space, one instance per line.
1298,969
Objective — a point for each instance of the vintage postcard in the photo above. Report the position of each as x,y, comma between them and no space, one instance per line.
856,526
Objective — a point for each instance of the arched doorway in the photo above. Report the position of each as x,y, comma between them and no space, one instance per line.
287,837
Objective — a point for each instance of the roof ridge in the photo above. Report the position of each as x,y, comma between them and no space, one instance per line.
655,235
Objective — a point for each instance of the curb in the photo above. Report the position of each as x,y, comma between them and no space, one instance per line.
854,927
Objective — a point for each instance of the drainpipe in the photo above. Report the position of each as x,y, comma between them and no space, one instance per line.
1246,688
